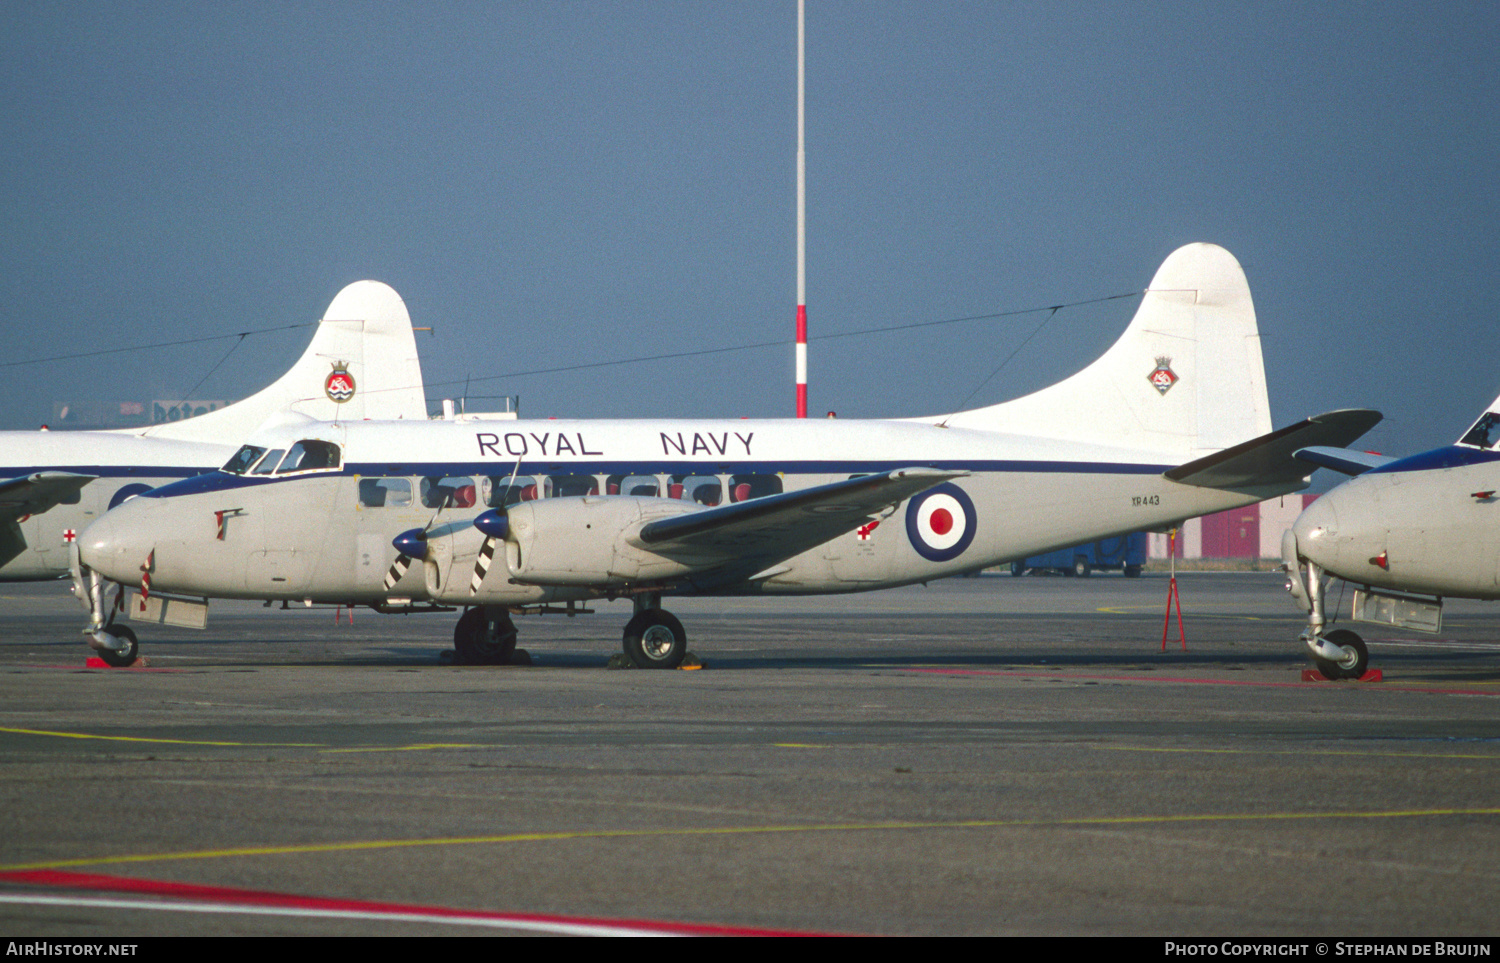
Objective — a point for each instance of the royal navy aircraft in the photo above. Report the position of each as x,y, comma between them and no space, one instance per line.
1171,422
1405,533
361,363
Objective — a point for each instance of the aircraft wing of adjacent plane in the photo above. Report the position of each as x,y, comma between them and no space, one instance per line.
767,530
31,495
34,494
1345,460
1274,459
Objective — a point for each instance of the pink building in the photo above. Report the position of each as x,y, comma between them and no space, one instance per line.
1250,532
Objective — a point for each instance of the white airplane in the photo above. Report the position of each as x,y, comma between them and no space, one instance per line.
361,363
1406,533
1170,423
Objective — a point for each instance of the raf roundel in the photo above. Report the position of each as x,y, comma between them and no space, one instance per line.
940,523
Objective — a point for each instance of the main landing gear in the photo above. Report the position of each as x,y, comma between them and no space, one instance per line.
485,635
654,639
1338,654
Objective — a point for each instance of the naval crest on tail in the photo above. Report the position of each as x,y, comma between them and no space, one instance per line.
340,383
1162,377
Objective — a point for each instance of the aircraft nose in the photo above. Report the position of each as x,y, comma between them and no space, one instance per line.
1316,531
116,544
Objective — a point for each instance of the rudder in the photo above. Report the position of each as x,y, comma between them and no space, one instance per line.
1185,378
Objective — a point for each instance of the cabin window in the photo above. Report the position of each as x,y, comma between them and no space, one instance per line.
503,490
1485,433
448,492
642,485
243,459
268,464
385,492
310,455
745,487
563,486
703,489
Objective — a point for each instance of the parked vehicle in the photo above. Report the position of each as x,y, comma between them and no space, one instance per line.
1126,553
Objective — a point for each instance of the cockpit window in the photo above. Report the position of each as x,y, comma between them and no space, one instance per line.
1485,433
243,459
310,455
268,464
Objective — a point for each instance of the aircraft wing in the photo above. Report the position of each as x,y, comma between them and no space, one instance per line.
1345,460
31,495
34,494
1272,459
767,530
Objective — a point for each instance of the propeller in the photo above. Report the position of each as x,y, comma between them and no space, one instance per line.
494,525
410,545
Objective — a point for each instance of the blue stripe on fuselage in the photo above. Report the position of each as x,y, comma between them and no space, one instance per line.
223,481
1452,456
110,471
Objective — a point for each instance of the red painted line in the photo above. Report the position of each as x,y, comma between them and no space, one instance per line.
1159,678
98,882
94,662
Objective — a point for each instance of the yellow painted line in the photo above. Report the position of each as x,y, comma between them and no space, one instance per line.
741,831
416,747
1492,757
1128,609
179,742
797,745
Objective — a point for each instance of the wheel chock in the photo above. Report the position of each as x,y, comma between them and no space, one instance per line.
1371,675
94,662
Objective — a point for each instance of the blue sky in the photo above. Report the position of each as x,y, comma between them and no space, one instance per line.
550,184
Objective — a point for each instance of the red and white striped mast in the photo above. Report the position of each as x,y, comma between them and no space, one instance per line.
801,233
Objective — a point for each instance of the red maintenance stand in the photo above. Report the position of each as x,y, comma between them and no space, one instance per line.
1172,597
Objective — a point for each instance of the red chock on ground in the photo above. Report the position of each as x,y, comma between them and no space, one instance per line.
94,662
1371,675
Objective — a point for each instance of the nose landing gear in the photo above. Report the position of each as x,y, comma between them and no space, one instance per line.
1339,653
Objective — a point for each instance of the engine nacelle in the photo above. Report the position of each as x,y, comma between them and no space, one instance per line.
587,540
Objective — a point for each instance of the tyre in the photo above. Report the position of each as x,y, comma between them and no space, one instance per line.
1355,662
1081,568
654,639
478,640
120,659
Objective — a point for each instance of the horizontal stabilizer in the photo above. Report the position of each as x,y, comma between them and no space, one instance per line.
1345,460
762,531
1270,459
34,494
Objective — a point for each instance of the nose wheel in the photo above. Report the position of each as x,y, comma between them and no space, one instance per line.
1355,659
126,654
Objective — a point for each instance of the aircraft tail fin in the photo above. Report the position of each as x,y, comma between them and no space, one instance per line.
1485,433
1185,379
361,363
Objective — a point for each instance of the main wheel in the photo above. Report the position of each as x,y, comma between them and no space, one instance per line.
1356,657
120,658
479,640
1017,569
1132,571
1081,568
654,639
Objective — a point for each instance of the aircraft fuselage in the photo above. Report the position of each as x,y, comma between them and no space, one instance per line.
326,535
